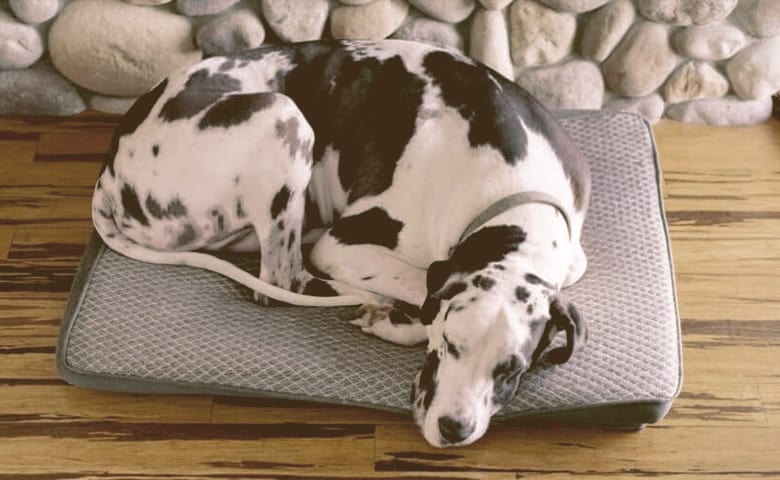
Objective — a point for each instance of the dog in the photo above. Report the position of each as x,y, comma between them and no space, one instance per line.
438,195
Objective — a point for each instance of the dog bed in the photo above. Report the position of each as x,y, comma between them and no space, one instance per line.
141,328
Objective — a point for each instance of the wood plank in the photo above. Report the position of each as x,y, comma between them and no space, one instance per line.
654,451
731,364
247,474
28,126
737,297
16,152
50,242
36,364
89,145
717,404
247,410
45,205
185,448
6,237
770,396
65,403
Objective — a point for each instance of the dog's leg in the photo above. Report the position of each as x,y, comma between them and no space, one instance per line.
376,269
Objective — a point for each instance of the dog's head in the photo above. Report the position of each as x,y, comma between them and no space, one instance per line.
485,329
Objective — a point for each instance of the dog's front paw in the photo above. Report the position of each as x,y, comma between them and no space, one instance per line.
371,313
390,324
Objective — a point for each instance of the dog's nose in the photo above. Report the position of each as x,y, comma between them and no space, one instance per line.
453,430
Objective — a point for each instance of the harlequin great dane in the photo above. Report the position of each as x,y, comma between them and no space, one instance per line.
437,194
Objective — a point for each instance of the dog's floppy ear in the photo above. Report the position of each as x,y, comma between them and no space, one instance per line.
563,316
438,273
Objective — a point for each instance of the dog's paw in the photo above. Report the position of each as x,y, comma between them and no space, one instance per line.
389,324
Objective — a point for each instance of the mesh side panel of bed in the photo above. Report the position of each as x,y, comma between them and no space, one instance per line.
136,327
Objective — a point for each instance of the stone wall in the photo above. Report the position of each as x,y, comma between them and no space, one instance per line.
711,61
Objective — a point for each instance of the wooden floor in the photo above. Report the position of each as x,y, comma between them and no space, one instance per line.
723,198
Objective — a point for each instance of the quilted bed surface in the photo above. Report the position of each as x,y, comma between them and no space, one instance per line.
135,327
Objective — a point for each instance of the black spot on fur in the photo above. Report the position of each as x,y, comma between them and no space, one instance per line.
235,110
279,203
201,90
374,226
530,309
287,131
155,150
554,243
291,240
534,280
186,236
228,65
397,317
350,103
319,288
240,213
367,277
506,377
490,244
483,282
132,206
154,208
129,123
451,348
522,293
176,208
427,383
473,91
219,218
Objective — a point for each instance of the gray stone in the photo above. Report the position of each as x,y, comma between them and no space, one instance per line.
695,80
373,21
452,11
495,4
651,107
489,42
236,31
96,44
114,105
427,30
755,71
148,3
641,62
760,17
298,21
576,6
355,2
196,8
603,29
20,45
539,35
576,84
34,11
686,12
722,111
38,90
713,42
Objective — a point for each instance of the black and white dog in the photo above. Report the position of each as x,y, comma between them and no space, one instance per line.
440,196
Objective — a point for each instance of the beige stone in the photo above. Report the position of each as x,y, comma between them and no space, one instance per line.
490,41
373,21
695,80
539,35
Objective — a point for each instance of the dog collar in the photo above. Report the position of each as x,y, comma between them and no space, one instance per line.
511,201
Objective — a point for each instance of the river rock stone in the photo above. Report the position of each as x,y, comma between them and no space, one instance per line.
489,42
576,6
148,3
34,11
20,45
355,2
372,21
695,80
755,71
113,105
298,21
236,31
712,42
451,11
98,45
38,90
641,62
686,12
651,107
495,4
194,8
539,35
603,29
725,111
576,84
760,17
427,30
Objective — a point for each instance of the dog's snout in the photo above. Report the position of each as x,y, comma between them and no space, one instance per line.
453,430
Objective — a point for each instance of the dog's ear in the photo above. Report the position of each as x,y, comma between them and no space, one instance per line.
563,316
438,273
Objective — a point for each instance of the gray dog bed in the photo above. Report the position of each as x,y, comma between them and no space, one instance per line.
140,328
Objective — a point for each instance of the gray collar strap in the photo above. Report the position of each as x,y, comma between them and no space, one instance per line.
511,201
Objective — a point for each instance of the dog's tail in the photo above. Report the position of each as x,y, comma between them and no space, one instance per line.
106,226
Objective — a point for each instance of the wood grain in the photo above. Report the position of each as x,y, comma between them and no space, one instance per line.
722,190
